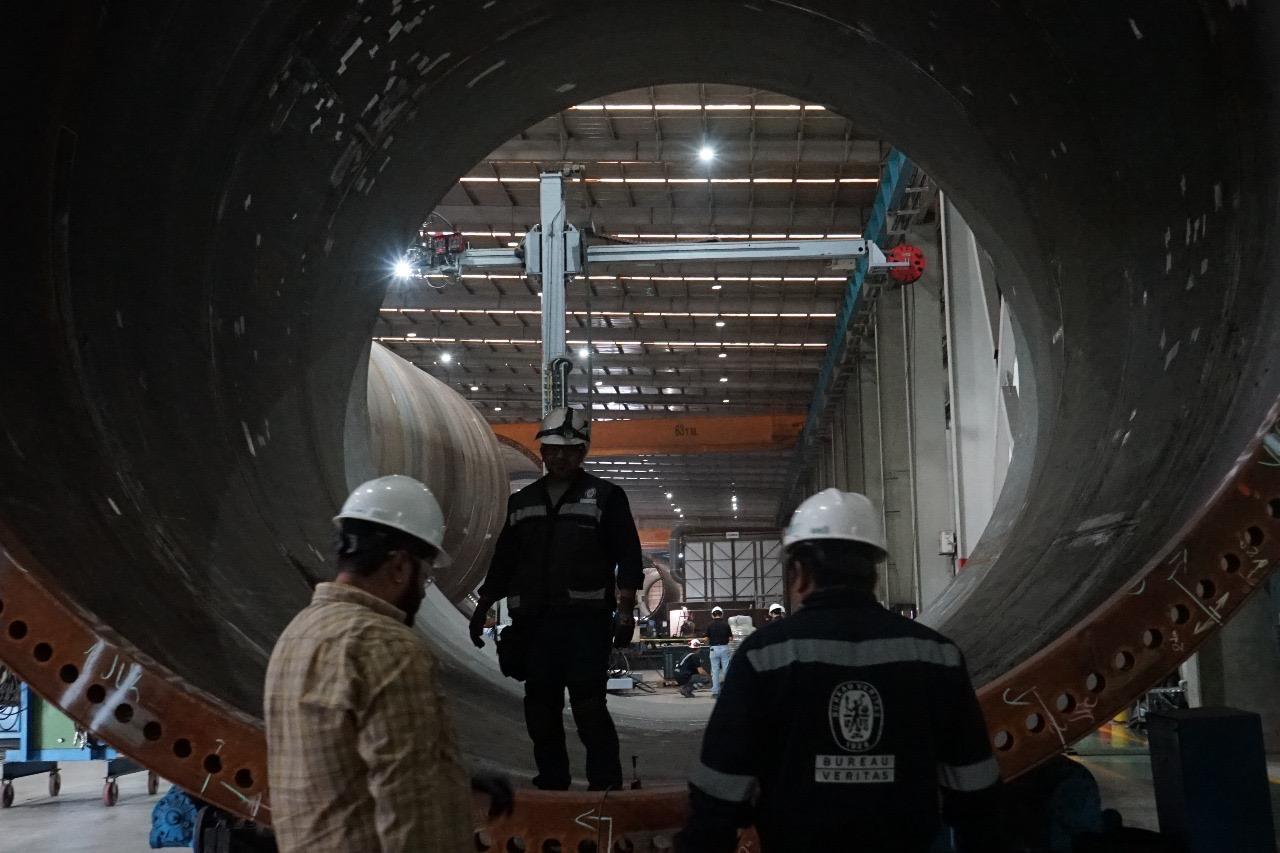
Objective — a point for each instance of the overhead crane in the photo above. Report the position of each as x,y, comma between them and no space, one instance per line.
554,250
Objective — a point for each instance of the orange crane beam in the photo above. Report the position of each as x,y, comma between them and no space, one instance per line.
733,434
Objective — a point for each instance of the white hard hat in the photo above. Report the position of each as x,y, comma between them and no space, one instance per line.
565,426
777,608
833,514
401,503
717,609
695,644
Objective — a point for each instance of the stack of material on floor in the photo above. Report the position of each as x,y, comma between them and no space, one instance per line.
742,627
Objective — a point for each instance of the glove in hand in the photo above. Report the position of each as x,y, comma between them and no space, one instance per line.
476,627
502,799
624,628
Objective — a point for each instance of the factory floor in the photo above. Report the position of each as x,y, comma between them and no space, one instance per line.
78,822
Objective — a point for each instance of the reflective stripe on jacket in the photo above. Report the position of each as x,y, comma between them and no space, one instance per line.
844,726
563,557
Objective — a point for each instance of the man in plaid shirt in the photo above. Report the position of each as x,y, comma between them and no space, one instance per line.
361,750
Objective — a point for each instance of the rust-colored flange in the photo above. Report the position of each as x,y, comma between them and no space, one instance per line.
127,699
1059,695
1141,634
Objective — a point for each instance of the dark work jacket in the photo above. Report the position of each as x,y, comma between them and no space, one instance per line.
844,727
563,557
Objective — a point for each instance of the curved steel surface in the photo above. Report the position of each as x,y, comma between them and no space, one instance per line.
421,427
207,199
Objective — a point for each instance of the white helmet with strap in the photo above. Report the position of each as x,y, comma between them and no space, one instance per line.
776,608
833,514
401,503
565,425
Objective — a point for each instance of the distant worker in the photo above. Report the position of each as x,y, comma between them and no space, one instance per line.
566,536
843,721
360,746
689,671
776,612
718,634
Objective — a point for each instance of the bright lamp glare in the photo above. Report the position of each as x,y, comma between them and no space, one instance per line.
446,357
403,269
583,353
706,153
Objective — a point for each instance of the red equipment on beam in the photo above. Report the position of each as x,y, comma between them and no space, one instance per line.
915,263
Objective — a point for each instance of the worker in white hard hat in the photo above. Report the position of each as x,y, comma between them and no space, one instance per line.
859,722
776,611
718,634
568,562
360,745
691,671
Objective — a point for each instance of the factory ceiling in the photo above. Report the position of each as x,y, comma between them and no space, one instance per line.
660,341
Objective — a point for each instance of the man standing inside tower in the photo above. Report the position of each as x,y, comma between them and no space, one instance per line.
568,562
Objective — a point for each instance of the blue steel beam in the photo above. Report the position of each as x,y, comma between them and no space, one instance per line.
896,169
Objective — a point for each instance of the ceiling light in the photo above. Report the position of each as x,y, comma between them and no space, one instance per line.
723,355
475,387
725,400
411,334
446,357
706,153
715,287
584,352
599,381
497,408
403,269
724,378
719,324
668,495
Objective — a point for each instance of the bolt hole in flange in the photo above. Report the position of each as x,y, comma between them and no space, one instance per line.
182,748
124,712
1094,682
212,763
1273,509
1122,662
515,844
1034,723
1205,588
552,845
1065,703
244,777
1151,638
1253,537
69,673
1002,741
586,845
96,693
482,840
17,629
42,652
1229,563
153,731
1179,614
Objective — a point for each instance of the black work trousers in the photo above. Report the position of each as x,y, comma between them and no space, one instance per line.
571,651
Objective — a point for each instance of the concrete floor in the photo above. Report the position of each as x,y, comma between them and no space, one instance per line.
77,822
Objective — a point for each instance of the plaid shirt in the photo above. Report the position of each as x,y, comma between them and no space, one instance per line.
361,751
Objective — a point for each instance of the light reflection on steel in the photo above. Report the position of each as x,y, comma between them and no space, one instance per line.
1056,697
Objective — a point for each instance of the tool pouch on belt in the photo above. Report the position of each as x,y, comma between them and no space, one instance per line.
513,650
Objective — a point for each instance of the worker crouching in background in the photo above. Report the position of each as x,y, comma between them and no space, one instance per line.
844,725
689,671
361,749
565,536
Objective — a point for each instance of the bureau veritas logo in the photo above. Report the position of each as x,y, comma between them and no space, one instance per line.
857,716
